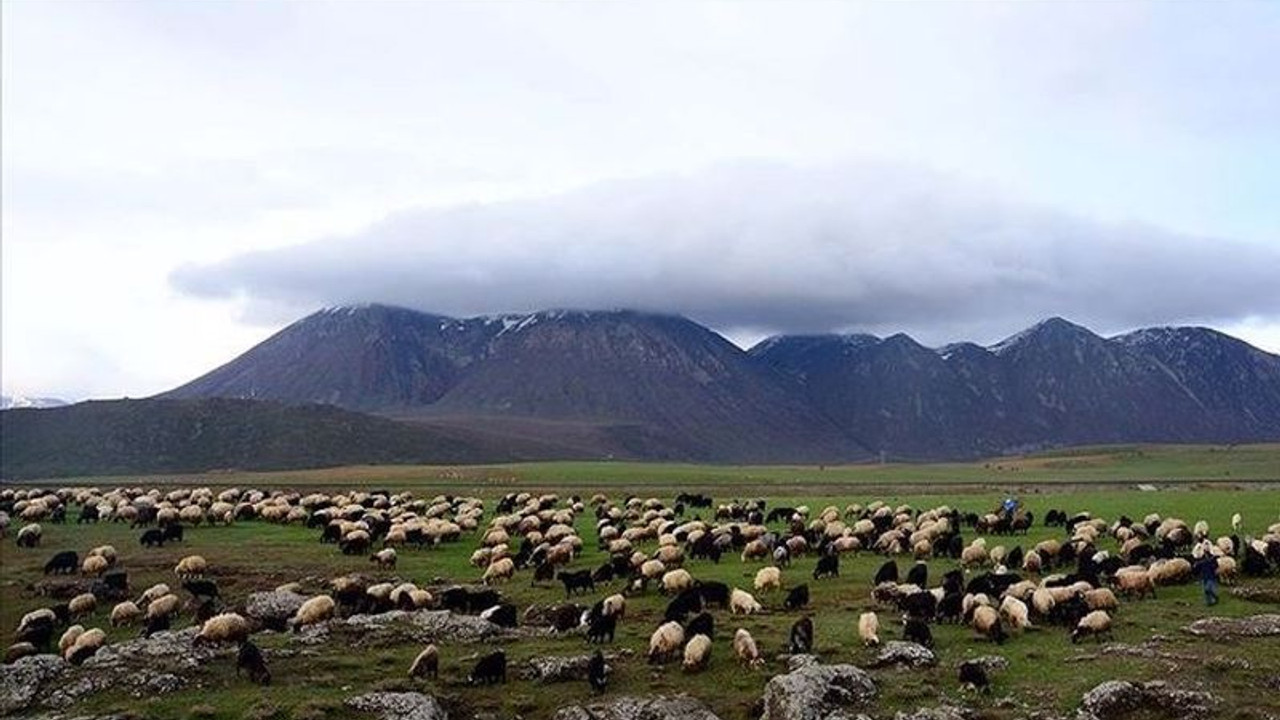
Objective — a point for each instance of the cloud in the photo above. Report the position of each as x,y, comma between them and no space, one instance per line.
774,248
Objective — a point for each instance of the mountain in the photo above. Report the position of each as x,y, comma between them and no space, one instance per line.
173,436
1053,384
21,401
642,385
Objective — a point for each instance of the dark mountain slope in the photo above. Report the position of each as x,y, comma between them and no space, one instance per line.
170,436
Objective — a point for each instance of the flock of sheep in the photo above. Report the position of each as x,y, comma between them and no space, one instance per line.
999,590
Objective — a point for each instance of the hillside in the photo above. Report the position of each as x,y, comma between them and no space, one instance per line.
180,436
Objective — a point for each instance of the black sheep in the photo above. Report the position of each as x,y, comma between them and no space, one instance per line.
603,574
714,594
918,575
949,608
490,669
917,631
974,675
250,659
38,633
155,624
152,538
65,562
922,605
828,566
173,531
481,600
201,588
682,605
888,572
579,581
565,617
88,514
502,615
544,571
703,624
602,628
800,639
597,672
797,598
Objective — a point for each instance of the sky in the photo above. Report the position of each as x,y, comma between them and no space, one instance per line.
182,180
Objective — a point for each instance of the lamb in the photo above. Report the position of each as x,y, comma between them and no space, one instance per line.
125,613
499,570
744,646
987,622
191,566
85,646
868,629
315,610
1096,623
697,653
768,578
426,664
742,603
665,642
385,558
249,658
227,627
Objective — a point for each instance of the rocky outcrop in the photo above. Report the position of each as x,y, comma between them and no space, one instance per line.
943,712
274,607
896,652
816,692
24,679
639,708
561,668
433,624
1117,699
399,706
1221,627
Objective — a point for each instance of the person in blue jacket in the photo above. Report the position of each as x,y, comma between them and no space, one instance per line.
1206,568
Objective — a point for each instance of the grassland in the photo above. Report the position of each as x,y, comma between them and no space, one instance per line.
1046,672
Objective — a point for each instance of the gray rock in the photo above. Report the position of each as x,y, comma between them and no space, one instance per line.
639,708
1115,699
434,624
557,668
991,662
1221,627
896,652
23,680
399,706
815,692
795,662
273,606
943,712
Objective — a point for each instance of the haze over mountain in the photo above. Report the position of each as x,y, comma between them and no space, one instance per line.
640,385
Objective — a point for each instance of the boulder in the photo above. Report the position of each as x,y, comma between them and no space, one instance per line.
943,712
24,679
399,706
274,607
1117,699
795,662
639,708
991,662
1221,627
435,624
816,692
897,652
557,668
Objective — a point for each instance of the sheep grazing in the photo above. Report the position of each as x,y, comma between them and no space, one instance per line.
614,606
69,638
1101,599
191,566
676,581
917,631
224,628
426,664
973,675
597,672
1135,581
800,639
491,668
499,570
125,613
869,629
1236,523
697,653
797,597
29,536
315,610
385,558
768,579
155,591
744,646
82,605
85,646
755,550
64,562
1015,611
987,622
163,606
249,658
742,603
1096,623
665,642
17,651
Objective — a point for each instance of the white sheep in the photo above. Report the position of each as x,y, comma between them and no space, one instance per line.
768,578
83,604
697,654
224,628
315,610
427,663
676,581
85,646
94,565
1096,623
499,570
744,646
125,613
191,566
741,602
69,638
665,642
1015,611
869,629
163,606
